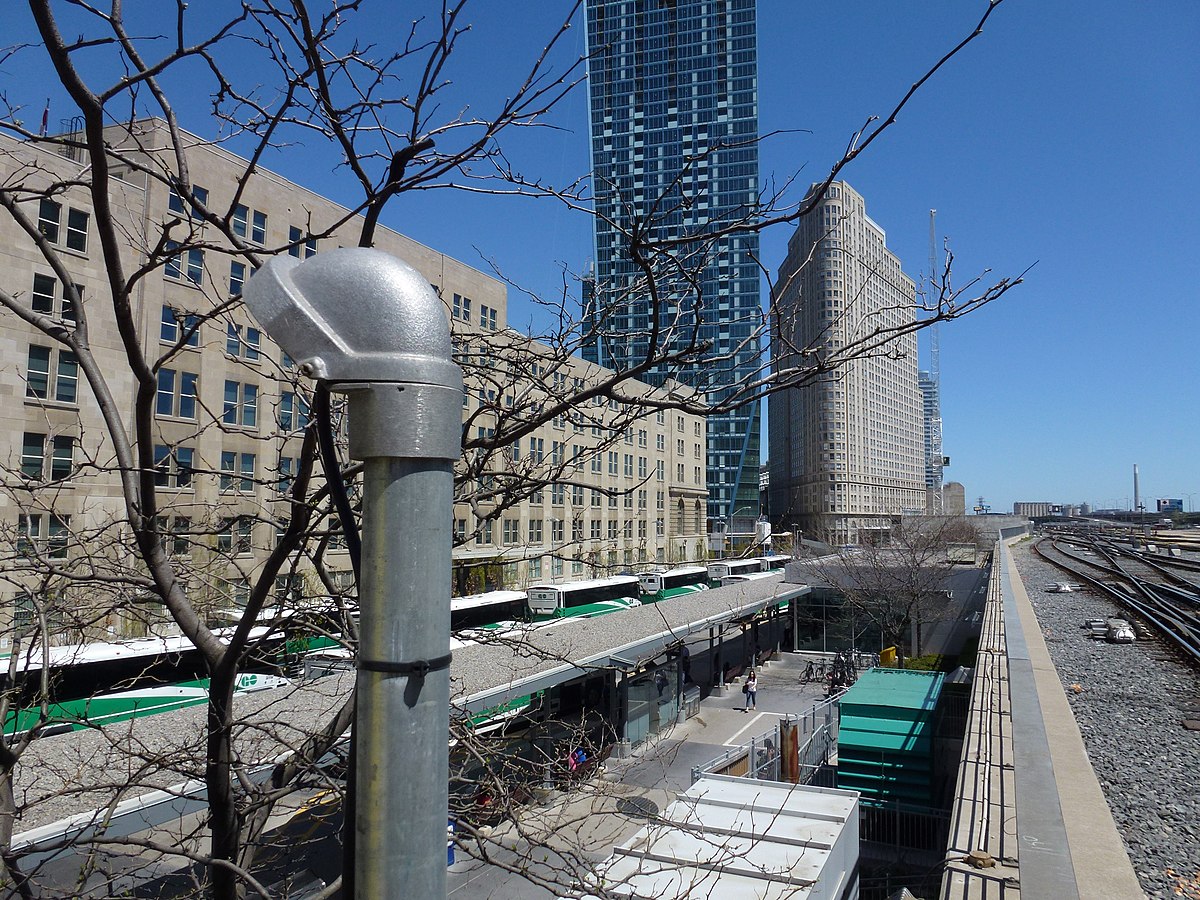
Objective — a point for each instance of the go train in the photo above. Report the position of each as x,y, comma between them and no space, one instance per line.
100,683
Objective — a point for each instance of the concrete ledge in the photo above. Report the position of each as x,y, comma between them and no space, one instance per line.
1058,796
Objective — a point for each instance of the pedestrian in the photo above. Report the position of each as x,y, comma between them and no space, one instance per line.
750,688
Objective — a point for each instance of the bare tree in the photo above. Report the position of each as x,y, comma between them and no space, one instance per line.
897,580
162,533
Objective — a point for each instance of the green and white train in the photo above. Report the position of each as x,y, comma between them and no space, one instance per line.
583,598
120,706
659,586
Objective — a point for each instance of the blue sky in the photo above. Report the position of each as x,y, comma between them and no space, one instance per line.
1065,136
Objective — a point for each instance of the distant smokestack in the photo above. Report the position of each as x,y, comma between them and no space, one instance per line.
1137,499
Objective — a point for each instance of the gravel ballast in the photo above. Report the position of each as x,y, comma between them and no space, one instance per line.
1130,704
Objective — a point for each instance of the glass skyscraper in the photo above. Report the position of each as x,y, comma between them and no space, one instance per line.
673,86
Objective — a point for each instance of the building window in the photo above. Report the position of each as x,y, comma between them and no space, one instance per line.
30,537
483,531
200,196
245,342
595,529
613,463
173,535
577,495
177,392
288,467
462,308
176,324
487,317
558,494
241,218
535,568
258,231
77,230
187,264
62,460
44,298
510,531
237,471
33,455
52,374
661,443
535,531
301,247
44,291
556,567
293,412
237,277
173,466
235,535
613,530
241,404
629,465
49,218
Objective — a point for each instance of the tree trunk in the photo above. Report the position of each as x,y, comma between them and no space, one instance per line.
218,776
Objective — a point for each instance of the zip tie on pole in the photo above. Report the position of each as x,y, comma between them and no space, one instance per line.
418,667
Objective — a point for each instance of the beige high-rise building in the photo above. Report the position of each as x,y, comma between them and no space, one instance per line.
229,410
846,451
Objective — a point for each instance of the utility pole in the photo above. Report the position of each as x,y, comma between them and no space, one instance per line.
374,329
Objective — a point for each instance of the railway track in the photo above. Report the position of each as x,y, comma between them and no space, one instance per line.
1147,590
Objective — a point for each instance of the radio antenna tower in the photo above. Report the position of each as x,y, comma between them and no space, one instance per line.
933,412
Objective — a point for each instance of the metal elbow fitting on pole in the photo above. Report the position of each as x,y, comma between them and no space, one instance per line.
373,328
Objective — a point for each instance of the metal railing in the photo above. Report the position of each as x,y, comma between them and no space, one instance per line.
760,757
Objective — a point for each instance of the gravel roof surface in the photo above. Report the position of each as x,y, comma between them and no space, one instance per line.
532,651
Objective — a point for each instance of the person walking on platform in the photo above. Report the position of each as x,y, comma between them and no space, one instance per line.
750,689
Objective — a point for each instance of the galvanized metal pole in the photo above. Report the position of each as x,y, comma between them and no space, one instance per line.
374,329
404,679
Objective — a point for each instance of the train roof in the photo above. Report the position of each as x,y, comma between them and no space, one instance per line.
681,570
473,601
104,651
584,585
